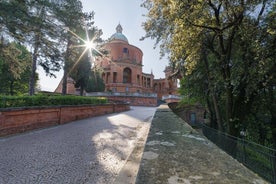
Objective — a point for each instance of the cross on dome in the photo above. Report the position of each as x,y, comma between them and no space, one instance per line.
119,28
119,36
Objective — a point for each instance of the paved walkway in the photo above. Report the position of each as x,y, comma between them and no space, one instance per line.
87,151
175,153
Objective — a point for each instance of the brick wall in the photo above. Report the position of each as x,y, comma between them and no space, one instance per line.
136,101
186,111
24,119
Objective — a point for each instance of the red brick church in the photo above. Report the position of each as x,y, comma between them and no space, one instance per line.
122,71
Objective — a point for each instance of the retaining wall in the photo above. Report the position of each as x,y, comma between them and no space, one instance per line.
18,120
136,101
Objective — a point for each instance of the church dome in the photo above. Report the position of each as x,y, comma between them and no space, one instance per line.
119,35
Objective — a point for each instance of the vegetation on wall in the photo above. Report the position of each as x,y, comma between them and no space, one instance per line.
48,100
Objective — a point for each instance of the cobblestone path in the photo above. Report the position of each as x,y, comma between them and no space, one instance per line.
86,151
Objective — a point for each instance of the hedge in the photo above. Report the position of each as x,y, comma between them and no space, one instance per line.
44,100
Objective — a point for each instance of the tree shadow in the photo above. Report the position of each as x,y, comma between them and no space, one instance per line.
86,151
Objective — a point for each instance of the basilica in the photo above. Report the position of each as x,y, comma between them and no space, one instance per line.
122,70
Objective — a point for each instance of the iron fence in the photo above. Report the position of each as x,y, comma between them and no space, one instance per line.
258,158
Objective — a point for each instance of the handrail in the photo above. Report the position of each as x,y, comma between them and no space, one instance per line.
165,97
121,94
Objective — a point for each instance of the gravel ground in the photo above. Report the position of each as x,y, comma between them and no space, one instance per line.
87,151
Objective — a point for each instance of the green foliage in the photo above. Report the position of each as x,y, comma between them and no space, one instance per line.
12,19
81,73
86,78
31,23
187,101
80,28
95,82
15,71
48,100
51,29
226,53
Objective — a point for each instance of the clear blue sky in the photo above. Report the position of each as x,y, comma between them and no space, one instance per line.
108,14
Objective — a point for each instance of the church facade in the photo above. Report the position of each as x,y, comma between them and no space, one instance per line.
122,70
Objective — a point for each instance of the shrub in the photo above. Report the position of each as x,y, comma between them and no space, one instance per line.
48,100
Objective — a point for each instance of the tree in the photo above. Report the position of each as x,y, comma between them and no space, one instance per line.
79,28
41,26
87,78
43,37
271,30
12,19
222,44
95,82
81,73
69,14
15,70
32,24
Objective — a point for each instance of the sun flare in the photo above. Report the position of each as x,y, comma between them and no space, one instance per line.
90,45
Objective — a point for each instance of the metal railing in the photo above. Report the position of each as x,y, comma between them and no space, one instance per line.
121,94
171,97
258,158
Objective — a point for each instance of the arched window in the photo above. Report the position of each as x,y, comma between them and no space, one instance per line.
170,85
125,53
127,75
155,87
125,50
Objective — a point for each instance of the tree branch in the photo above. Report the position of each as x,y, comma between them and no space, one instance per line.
215,29
210,45
261,12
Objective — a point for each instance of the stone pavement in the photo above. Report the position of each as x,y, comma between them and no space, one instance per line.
88,151
175,153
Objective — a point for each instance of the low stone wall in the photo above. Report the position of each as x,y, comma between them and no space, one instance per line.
18,120
136,101
192,114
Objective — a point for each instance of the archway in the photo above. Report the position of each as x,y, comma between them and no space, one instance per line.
127,75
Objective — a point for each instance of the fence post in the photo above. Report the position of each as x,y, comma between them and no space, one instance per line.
273,165
242,133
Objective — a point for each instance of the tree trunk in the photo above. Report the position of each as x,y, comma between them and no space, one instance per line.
11,88
35,55
64,81
218,117
211,89
66,67
273,115
81,90
212,113
34,62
